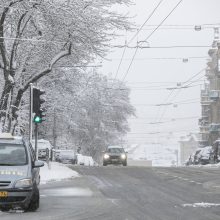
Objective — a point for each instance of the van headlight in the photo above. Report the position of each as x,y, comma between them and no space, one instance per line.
106,156
123,156
23,183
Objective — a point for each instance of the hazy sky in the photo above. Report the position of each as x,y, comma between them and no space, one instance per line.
149,77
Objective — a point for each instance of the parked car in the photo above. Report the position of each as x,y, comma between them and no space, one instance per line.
204,156
19,174
115,155
195,156
200,156
67,157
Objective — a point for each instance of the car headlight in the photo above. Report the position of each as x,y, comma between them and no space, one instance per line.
123,156
23,183
106,156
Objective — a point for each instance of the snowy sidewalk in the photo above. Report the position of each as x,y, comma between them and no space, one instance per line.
57,172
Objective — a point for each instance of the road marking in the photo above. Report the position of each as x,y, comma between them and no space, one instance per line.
43,196
201,205
181,178
68,192
114,201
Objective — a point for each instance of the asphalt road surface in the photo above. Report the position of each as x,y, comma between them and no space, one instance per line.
130,193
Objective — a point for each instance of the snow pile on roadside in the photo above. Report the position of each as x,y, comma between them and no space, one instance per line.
57,172
85,160
217,165
201,205
160,155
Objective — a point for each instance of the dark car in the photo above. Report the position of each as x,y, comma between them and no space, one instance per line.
19,175
115,155
67,157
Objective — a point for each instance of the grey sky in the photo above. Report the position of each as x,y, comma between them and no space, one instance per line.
145,70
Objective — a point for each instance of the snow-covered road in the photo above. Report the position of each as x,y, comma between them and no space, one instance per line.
133,193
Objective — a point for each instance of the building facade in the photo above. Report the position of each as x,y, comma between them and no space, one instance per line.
209,122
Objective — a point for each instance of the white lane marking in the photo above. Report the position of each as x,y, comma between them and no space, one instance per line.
201,205
43,196
66,192
114,201
180,178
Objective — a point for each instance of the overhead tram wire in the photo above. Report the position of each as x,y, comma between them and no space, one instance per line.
126,74
149,17
120,62
165,58
162,47
163,20
178,92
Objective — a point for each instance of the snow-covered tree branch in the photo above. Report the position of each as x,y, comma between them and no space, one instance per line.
33,36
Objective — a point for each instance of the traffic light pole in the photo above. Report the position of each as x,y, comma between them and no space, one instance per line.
36,137
31,113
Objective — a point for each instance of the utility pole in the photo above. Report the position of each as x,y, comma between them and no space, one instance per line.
31,113
54,128
39,111
36,138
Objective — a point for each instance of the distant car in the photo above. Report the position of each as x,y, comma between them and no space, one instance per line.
115,155
67,157
19,175
42,154
204,156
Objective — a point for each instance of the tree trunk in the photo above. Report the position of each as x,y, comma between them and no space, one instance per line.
5,106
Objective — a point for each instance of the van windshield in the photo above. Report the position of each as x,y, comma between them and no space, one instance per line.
12,155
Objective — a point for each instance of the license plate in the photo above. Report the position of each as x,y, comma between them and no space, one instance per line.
115,160
3,194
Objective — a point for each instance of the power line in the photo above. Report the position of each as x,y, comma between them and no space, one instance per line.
149,37
159,82
160,132
172,120
136,35
163,20
178,118
165,109
120,62
165,58
149,17
184,25
161,47
155,88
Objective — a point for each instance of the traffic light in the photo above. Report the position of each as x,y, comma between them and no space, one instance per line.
37,105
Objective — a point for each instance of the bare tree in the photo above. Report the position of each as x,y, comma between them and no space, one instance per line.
37,35
86,110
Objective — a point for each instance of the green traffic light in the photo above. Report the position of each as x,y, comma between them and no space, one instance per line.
37,119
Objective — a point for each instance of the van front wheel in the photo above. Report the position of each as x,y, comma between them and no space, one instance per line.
35,201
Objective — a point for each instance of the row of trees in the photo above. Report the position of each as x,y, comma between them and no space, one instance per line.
37,37
85,110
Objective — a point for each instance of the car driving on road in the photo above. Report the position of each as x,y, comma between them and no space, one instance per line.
115,155
19,175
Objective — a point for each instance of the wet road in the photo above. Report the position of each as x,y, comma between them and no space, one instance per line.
131,193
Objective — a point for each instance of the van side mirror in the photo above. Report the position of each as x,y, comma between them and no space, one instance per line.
38,164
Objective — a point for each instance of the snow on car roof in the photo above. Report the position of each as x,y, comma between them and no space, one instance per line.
8,138
115,146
